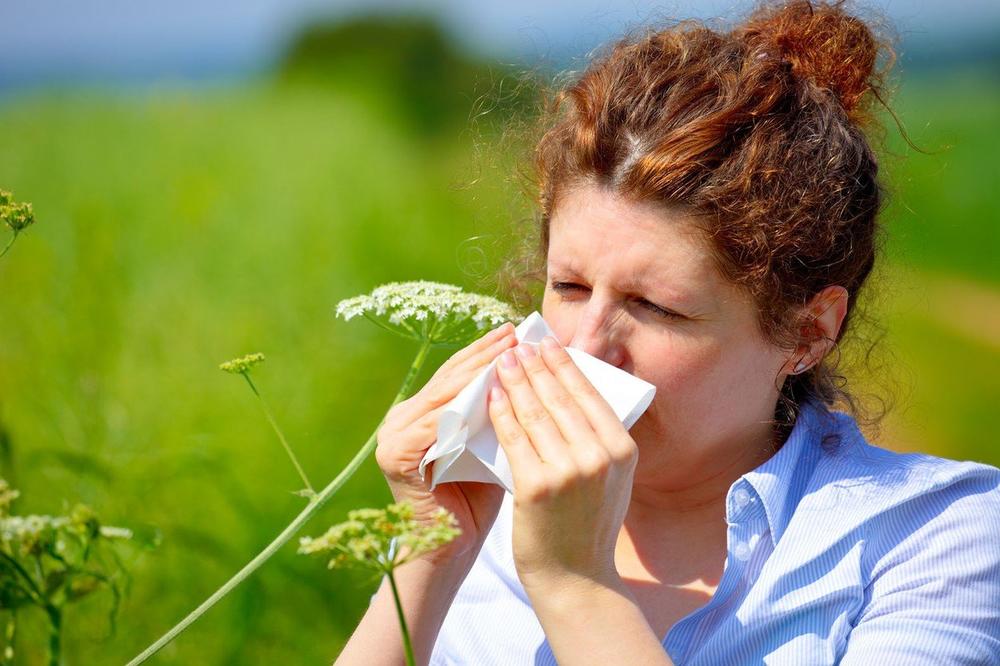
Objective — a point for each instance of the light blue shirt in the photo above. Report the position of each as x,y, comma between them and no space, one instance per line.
837,553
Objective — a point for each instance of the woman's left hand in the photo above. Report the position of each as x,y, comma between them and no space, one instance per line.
572,461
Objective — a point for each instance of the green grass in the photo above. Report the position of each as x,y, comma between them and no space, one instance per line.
942,215
176,231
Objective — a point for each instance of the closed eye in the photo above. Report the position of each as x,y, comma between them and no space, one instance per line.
563,287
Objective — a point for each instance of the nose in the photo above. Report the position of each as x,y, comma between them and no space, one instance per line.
598,333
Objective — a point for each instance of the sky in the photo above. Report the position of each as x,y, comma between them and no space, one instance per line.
81,41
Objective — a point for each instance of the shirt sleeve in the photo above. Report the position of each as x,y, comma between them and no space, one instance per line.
934,598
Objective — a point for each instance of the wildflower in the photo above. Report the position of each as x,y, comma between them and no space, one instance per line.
242,365
374,538
7,494
35,534
52,561
16,215
431,313
442,314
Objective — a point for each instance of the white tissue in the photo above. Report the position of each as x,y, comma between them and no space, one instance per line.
467,448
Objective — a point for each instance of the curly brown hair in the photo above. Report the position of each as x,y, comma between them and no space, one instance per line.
765,129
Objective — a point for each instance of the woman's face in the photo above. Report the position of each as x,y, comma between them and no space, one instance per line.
634,285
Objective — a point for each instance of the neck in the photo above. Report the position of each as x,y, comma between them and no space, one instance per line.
685,498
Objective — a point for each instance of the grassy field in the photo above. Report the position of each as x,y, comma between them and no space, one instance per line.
177,230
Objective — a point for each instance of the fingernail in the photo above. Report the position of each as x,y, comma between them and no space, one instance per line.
525,351
550,342
507,359
800,367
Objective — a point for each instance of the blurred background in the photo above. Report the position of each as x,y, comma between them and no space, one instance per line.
210,178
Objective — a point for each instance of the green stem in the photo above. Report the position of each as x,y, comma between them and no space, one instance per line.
284,442
402,621
32,588
55,635
12,239
296,524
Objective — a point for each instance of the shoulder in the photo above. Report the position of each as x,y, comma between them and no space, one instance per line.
906,501
846,458
930,553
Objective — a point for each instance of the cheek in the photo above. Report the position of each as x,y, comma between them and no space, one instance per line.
561,319
711,381
680,368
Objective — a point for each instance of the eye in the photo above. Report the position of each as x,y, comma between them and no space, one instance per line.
658,310
566,286
563,287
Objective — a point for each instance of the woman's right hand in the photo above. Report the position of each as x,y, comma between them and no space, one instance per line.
409,430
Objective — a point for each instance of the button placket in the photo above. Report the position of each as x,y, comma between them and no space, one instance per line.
740,538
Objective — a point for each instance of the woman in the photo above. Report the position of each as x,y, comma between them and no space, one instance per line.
708,207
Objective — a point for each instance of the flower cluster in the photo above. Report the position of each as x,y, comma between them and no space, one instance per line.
34,535
50,562
376,538
442,314
7,496
15,215
242,365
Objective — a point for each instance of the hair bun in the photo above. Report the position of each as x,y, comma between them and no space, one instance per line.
821,42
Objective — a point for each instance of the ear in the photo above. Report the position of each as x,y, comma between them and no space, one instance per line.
824,314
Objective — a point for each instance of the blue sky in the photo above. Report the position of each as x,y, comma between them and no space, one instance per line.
95,40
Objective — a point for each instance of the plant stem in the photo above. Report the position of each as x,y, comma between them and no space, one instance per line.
294,526
274,425
402,621
12,239
55,634
32,588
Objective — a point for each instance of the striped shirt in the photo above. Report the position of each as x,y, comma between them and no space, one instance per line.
838,552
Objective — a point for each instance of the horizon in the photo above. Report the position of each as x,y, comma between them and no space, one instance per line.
61,44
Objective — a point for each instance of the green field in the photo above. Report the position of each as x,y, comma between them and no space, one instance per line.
180,229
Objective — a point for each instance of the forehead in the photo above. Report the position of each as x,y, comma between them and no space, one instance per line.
637,244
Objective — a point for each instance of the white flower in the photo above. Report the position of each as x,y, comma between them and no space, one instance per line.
444,314
27,532
111,532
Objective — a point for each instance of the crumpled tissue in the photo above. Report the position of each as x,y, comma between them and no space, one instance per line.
467,448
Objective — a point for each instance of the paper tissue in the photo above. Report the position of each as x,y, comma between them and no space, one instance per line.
467,448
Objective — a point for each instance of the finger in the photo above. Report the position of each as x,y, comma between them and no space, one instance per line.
476,348
559,403
521,454
448,382
484,356
531,413
598,412
421,428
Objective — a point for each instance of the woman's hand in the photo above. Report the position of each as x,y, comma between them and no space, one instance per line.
409,430
572,461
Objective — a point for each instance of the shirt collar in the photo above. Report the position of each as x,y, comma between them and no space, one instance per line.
780,481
